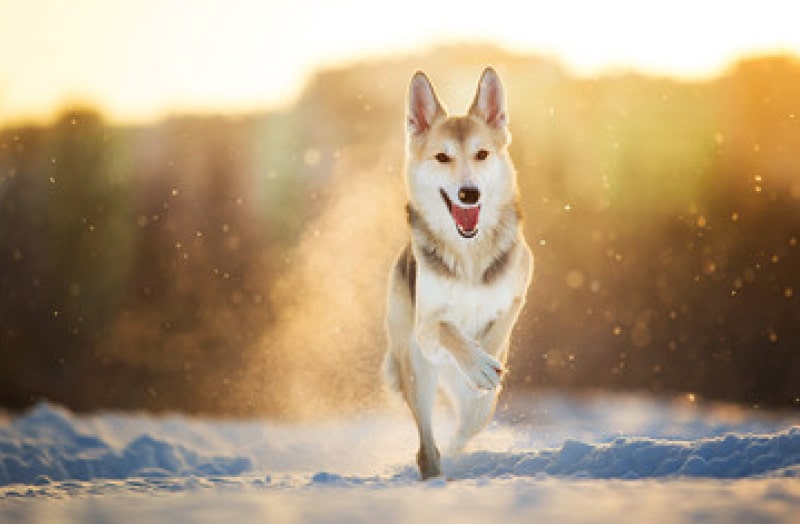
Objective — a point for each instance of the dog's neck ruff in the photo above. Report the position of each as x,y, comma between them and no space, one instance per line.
484,259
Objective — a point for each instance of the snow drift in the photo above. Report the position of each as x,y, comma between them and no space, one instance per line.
46,444
730,456
546,459
609,438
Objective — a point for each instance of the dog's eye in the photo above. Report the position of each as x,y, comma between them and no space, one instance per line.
481,154
443,158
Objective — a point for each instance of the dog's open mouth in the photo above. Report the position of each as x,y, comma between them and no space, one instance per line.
466,218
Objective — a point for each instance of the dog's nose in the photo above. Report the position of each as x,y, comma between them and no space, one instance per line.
469,195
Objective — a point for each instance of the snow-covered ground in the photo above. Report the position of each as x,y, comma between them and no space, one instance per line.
545,458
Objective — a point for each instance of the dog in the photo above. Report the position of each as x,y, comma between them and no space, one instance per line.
457,288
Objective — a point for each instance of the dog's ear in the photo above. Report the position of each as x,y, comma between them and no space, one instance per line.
423,106
490,100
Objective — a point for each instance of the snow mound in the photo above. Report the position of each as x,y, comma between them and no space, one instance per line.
630,458
604,438
730,456
46,445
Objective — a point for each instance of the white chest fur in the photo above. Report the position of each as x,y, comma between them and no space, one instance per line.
469,305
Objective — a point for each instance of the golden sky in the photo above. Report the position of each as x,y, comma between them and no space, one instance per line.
138,60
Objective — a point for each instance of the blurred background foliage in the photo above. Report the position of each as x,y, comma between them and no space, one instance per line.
139,264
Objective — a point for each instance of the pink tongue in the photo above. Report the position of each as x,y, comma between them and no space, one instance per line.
467,217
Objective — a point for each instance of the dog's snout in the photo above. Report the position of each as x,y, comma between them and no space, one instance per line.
469,195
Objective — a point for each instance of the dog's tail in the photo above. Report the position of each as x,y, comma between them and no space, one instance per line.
391,372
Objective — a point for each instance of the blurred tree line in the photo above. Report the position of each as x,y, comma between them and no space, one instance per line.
138,264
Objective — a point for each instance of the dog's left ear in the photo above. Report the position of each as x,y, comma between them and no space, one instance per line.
490,100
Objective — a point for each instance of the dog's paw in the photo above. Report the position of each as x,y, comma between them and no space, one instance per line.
483,370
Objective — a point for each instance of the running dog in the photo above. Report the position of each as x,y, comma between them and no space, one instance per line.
457,288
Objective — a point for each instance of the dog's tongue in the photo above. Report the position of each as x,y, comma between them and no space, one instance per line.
466,217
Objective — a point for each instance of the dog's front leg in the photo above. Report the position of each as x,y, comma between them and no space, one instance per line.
420,391
481,369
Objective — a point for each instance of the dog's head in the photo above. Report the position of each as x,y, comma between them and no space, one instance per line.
459,171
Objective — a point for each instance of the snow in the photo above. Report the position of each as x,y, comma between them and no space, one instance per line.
553,458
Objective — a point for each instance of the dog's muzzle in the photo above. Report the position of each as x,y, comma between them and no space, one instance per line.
466,217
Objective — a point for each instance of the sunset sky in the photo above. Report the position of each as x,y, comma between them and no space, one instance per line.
138,60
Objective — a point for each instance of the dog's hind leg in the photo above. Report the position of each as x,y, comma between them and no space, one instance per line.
473,408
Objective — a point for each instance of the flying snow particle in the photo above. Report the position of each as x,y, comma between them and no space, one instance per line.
312,157
640,334
574,279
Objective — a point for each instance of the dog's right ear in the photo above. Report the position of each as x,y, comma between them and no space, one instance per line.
423,106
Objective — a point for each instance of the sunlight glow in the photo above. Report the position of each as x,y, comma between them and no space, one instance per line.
143,60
